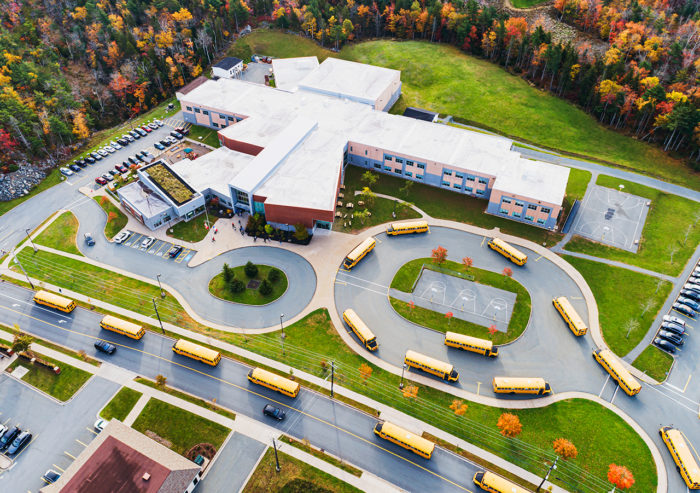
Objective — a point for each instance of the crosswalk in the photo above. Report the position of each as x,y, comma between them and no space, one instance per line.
176,122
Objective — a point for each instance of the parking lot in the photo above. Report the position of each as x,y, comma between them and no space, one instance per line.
60,431
159,248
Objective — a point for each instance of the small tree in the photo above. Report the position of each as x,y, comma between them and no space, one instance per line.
274,275
510,425
365,372
620,476
300,232
459,407
411,305
250,269
362,215
368,195
449,316
369,178
111,216
236,286
227,272
493,329
508,272
265,287
161,381
21,342
439,255
410,392
564,448
269,229
406,188
467,262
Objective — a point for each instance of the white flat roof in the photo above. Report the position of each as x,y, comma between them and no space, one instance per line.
289,71
525,176
215,169
344,78
148,204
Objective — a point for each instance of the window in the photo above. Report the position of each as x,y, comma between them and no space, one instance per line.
529,218
483,180
409,163
504,211
377,165
232,118
188,108
540,221
399,160
419,177
532,207
196,110
365,152
387,168
409,174
518,203
421,166
397,170
516,214
205,112
546,210
506,200
457,186
215,124
459,175
445,184
447,173
470,178
388,158
480,192
468,189
350,148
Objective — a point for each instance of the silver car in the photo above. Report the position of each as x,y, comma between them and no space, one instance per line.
147,242
122,237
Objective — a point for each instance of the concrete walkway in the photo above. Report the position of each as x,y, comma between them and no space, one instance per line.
136,410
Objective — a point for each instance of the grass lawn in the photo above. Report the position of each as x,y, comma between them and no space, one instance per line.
62,386
121,404
61,234
445,204
218,287
187,397
208,136
43,342
53,178
306,447
116,219
576,187
294,476
407,275
193,230
654,362
622,296
524,4
671,217
473,90
182,428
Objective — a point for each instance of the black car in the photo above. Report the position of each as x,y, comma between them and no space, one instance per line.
81,163
165,143
685,310
75,168
113,172
96,156
665,345
51,476
174,251
671,337
105,347
143,152
691,293
89,239
90,159
671,327
133,160
274,412
123,142
9,437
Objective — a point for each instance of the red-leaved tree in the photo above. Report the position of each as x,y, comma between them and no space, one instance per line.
439,255
510,425
620,476
467,262
507,271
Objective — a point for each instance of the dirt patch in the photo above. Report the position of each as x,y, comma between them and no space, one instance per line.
253,284
157,438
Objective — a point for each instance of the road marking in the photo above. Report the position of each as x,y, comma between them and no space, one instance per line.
91,431
252,392
614,393
538,258
577,297
183,254
478,386
482,241
81,443
368,282
383,293
59,468
342,283
604,384
672,399
686,383
163,243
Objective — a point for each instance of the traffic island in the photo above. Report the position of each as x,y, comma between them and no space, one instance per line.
250,284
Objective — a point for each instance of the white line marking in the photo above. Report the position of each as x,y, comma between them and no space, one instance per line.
604,384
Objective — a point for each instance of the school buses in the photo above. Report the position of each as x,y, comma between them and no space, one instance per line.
404,438
366,337
274,382
512,254
195,351
359,253
570,316
488,481
407,228
469,343
54,301
123,327
431,365
614,367
519,385
682,456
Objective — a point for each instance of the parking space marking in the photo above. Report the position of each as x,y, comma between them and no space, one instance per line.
136,241
81,443
182,255
482,241
59,468
538,258
34,437
69,455
686,383
159,252
91,431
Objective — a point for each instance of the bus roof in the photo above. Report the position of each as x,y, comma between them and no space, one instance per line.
684,454
501,484
432,362
281,382
410,224
357,251
406,436
571,311
53,298
359,324
509,248
122,324
519,382
614,363
191,347
465,339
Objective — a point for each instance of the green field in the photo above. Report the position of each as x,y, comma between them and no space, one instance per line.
121,404
187,397
61,234
116,219
62,386
208,136
218,288
622,295
407,275
182,428
441,78
670,218
654,362
524,4
193,230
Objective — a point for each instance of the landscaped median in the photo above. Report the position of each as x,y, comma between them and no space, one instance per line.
249,284
41,374
61,234
116,219
121,404
654,362
405,279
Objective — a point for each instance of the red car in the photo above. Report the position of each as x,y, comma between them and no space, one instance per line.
182,130
148,129
100,180
121,168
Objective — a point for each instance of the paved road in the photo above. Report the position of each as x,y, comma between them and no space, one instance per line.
236,461
339,429
546,349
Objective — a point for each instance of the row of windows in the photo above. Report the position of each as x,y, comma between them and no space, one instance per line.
518,214
206,112
532,207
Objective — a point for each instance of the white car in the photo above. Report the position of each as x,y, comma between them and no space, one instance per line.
109,149
102,152
115,145
675,320
65,171
3,429
100,424
128,137
158,122
122,237
147,242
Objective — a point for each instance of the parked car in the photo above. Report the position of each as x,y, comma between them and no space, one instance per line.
113,172
182,130
122,237
19,443
105,347
147,129
171,139
9,436
673,327
3,429
177,135
158,122
132,160
148,157
81,163
108,177
136,135
685,310
153,125
694,280
142,152
110,149
159,146
665,345
100,424
688,302
141,132
129,138
675,320
140,157
691,293
75,168
146,243
166,143
65,171
121,168
96,155
90,159
174,251
122,142
103,153
115,145
100,181
670,336
692,287
89,239
51,476
274,412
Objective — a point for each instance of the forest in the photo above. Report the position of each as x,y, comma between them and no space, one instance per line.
68,68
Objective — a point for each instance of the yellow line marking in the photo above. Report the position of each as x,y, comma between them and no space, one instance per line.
538,258
686,383
577,297
478,386
26,446
59,468
230,384
341,282
482,241
91,431
81,443
160,247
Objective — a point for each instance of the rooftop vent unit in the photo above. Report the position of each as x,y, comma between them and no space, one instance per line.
146,476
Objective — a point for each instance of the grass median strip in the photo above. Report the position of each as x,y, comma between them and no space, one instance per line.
320,454
249,296
121,404
61,234
61,386
654,362
116,219
68,352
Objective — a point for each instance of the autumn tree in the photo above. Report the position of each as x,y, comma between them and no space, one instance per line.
161,380
410,392
21,342
459,407
620,476
507,271
365,372
467,262
449,316
439,255
564,448
510,425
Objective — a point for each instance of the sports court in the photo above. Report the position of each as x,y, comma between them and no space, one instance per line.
612,217
467,300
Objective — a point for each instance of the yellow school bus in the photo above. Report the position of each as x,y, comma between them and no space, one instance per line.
195,351
488,481
614,367
520,385
274,382
682,456
570,315
404,438
54,301
359,253
469,343
431,365
123,327
366,337
512,254
407,228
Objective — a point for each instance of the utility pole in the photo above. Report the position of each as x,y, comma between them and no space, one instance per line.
553,466
277,460
30,240
332,376
16,258
157,315
162,293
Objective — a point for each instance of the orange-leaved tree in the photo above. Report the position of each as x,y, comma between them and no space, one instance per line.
410,392
510,425
439,255
467,262
620,476
365,371
508,271
459,407
565,448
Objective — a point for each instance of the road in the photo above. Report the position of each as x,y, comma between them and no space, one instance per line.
339,429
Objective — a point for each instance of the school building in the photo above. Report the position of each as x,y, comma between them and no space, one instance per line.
284,150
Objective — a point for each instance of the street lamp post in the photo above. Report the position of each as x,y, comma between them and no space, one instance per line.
403,368
16,259
30,240
332,376
162,293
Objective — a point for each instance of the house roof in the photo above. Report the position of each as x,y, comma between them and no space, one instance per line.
228,62
192,85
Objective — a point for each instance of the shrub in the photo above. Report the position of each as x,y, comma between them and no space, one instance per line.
236,286
300,232
228,274
273,276
250,269
265,287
